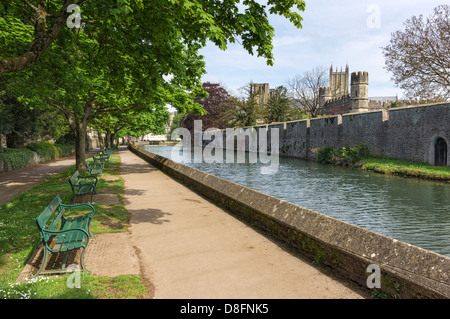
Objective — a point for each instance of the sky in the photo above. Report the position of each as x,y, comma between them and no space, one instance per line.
334,33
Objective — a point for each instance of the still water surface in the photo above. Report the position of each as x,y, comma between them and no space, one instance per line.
411,210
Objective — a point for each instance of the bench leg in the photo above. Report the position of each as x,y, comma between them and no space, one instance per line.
43,264
89,230
83,267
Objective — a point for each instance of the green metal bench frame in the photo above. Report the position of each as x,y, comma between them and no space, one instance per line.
62,234
101,158
94,168
80,188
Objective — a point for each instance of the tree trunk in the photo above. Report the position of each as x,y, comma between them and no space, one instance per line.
80,146
112,138
101,142
107,138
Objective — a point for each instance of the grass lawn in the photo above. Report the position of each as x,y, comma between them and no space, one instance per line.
405,168
19,238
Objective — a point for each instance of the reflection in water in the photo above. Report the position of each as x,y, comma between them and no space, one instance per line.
410,210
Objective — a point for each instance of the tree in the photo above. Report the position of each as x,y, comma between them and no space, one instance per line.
177,121
129,123
279,106
419,56
305,89
245,111
21,124
215,104
129,54
89,73
220,22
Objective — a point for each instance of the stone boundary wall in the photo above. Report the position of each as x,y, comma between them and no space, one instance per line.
406,133
407,271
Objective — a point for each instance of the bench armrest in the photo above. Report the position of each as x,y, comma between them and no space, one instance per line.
88,177
80,206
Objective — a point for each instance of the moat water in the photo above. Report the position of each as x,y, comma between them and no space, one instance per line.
411,210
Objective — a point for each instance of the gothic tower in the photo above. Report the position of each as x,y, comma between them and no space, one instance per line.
261,93
339,82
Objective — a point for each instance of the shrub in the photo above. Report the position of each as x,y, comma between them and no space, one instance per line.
326,154
14,158
48,151
344,155
44,150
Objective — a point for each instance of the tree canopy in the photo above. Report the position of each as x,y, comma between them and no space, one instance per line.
419,56
196,21
127,56
215,104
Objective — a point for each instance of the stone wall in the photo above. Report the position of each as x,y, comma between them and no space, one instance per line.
407,133
407,271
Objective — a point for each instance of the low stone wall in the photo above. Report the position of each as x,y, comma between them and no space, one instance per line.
407,271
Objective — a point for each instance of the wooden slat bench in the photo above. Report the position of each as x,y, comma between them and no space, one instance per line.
61,234
81,188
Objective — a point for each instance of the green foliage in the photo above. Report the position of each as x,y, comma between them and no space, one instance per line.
342,156
177,121
394,104
278,106
15,158
129,55
50,151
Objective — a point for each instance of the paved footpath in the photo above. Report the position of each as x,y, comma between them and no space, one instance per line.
185,246
18,181
190,248
22,180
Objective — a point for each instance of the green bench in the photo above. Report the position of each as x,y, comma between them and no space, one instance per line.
109,150
83,185
101,158
94,168
61,234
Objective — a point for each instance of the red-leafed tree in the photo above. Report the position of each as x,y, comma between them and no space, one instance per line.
216,104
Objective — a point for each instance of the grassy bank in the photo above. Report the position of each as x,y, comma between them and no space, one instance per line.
404,168
19,238
358,157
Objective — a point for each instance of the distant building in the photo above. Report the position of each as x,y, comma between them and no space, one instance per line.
336,99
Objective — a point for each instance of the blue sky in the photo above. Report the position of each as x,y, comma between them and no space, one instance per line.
334,32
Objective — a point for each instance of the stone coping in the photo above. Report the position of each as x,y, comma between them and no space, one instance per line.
407,271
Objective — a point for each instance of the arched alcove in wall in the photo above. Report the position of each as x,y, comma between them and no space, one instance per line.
440,152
